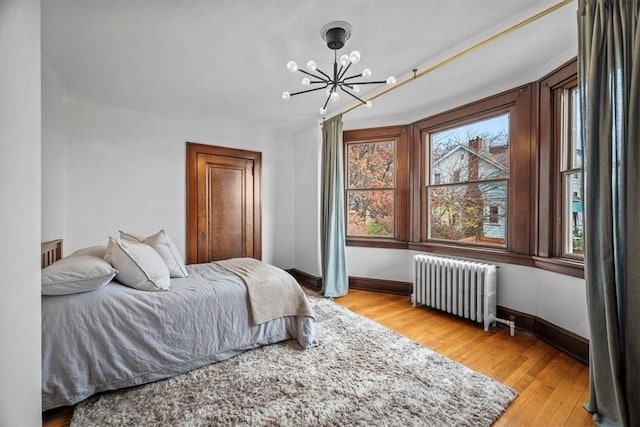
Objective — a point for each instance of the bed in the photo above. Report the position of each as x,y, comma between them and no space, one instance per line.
116,336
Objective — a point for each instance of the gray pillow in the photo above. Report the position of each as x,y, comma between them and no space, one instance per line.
139,265
166,248
72,275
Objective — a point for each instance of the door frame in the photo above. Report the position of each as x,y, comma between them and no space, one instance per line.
193,149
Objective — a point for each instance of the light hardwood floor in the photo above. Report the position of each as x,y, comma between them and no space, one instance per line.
552,386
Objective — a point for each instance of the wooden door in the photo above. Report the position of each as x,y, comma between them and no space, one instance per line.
223,203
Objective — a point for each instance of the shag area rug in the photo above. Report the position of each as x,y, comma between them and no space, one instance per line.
362,374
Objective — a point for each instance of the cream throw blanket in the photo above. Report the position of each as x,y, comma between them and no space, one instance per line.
273,292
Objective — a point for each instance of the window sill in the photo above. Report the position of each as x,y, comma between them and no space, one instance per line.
565,266
372,242
481,253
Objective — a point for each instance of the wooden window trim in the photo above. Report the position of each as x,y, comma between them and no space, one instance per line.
566,266
518,103
549,243
534,182
401,167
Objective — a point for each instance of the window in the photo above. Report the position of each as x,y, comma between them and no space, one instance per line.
371,188
474,168
498,179
571,176
560,201
494,214
469,176
376,186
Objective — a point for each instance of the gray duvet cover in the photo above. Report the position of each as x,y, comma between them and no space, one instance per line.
118,337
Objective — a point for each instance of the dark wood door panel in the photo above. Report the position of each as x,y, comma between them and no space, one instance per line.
228,202
226,207
223,203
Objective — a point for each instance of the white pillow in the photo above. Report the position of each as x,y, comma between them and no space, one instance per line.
72,275
97,251
139,266
167,249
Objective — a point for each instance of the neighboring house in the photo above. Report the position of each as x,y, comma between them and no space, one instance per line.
470,165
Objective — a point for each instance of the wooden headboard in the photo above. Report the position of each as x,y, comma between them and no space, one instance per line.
51,252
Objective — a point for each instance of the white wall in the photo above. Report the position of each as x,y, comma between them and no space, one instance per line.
20,395
125,170
557,298
308,149
53,154
554,297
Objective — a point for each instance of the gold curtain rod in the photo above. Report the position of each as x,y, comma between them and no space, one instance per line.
469,50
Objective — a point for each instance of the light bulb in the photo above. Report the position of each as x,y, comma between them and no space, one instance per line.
344,60
356,88
354,57
286,95
323,111
306,81
335,96
311,65
368,104
366,73
292,67
391,80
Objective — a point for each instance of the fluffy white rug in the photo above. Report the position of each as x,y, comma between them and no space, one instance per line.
362,374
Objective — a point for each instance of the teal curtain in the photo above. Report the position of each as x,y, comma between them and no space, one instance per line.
335,282
609,84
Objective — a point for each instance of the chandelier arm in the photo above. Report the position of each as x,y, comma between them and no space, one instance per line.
349,93
368,83
324,107
341,75
315,76
352,77
321,72
308,90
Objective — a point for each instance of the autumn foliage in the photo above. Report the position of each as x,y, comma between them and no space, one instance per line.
370,189
466,186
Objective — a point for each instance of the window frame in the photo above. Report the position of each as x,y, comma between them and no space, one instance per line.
534,235
550,245
456,181
398,134
518,104
566,166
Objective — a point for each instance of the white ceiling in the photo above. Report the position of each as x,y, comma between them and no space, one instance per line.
224,58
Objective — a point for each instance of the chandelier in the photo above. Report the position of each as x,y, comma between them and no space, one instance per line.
335,33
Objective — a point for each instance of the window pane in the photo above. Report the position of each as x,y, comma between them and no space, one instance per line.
472,213
473,152
575,132
370,213
371,165
573,215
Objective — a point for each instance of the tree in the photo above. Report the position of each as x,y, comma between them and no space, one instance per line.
370,182
472,170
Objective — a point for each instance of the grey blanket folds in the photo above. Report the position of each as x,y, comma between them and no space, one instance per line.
272,292
118,337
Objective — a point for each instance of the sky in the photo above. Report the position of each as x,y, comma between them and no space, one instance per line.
492,125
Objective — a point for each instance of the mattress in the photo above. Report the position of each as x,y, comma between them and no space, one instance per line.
119,337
